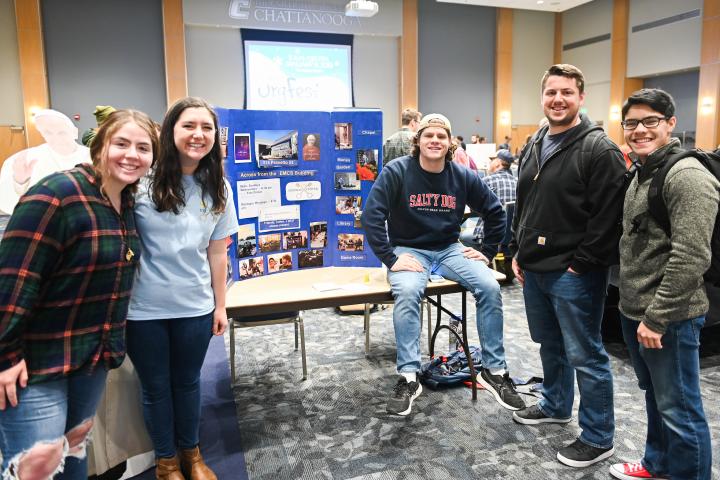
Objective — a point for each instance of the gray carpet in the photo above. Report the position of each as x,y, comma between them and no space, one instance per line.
334,426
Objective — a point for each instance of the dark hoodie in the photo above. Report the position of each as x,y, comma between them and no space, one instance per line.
568,211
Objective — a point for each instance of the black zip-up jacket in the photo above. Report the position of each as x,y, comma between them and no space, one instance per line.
568,211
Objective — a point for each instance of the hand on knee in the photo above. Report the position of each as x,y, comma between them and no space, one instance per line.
40,462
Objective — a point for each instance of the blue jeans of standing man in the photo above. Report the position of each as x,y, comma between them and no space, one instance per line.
564,313
678,436
46,411
408,289
168,355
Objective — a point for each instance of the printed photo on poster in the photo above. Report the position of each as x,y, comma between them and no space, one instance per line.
351,242
346,181
242,148
269,242
343,136
246,241
286,262
366,165
348,205
273,262
310,258
293,240
276,148
318,234
311,147
223,134
251,267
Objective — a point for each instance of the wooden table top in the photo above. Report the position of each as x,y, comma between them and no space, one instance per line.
295,290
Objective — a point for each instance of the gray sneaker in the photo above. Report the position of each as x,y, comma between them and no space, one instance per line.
579,454
532,415
502,388
402,396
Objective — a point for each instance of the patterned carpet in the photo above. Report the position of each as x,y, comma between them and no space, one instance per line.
334,425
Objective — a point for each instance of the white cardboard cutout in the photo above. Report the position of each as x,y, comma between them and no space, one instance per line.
26,167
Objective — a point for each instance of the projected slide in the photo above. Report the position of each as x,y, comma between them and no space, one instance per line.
297,76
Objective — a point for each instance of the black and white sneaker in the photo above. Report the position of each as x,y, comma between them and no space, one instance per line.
403,394
532,415
579,454
502,388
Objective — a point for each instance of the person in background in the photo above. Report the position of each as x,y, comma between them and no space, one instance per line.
461,157
421,199
185,213
461,140
565,236
399,143
67,264
662,294
506,144
59,152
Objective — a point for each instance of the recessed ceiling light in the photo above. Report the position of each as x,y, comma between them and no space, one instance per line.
540,2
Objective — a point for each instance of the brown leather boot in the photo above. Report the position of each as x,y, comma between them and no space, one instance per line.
194,466
168,469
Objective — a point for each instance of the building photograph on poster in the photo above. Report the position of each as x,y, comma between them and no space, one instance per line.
348,205
246,241
351,242
269,242
293,240
311,147
343,136
276,148
318,234
346,181
251,267
223,135
366,165
241,145
310,258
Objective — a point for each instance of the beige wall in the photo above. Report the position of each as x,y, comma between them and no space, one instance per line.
532,48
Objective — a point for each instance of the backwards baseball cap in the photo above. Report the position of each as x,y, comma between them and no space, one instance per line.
504,155
434,120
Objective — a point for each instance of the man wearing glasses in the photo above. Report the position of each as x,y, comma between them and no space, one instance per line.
662,296
565,235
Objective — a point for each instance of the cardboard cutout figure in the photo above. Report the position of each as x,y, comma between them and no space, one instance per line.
26,167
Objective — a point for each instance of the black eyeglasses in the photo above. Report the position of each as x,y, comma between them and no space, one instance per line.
648,122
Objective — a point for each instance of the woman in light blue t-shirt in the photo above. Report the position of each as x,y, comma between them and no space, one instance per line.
184,213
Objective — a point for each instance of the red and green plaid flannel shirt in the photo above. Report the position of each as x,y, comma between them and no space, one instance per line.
65,277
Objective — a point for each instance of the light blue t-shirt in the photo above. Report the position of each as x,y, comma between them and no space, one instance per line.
173,279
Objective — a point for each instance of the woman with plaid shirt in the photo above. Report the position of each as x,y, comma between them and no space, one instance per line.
67,264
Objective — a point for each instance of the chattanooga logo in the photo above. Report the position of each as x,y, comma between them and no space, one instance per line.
291,12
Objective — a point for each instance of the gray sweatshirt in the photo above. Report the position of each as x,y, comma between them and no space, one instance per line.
661,278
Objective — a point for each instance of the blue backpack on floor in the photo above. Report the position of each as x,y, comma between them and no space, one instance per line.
450,371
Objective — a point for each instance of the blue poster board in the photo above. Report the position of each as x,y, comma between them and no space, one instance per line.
299,181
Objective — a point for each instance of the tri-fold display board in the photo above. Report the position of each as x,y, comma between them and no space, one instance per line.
300,180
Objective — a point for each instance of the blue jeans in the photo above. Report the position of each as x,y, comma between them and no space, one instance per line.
168,355
408,289
47,411
678,436
564,312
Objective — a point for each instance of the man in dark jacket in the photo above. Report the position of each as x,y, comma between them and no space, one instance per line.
422,198
565,235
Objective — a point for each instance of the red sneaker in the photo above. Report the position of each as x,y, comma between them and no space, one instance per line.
630,471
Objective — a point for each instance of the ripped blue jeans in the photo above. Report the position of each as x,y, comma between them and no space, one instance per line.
474,275
45,413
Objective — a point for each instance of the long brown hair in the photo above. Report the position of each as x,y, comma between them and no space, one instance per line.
115,121
166,187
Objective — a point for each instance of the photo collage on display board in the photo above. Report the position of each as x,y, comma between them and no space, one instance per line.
300,180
